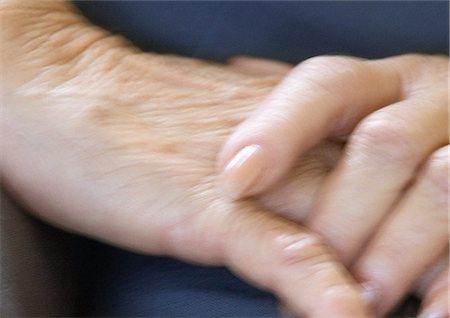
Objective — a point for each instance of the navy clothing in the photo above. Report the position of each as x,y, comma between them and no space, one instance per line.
285,30
126,284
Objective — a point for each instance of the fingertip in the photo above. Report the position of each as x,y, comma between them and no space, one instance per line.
251,170
245,164
253,159
243,171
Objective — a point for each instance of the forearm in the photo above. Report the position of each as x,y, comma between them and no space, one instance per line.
49,47
49,42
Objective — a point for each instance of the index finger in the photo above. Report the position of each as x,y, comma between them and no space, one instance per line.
322,96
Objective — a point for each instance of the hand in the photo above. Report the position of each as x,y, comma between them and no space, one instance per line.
384,207
118,145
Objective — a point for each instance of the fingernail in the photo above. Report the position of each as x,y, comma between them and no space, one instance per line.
370,294
242,172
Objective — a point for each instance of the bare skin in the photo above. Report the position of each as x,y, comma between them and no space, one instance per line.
385,206
119,145
140,133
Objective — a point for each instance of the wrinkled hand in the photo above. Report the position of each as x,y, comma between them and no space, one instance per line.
385,206
118,145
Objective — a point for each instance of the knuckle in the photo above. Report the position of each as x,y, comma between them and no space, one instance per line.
330,63
299,250
296,254
331,77
330,69
385,140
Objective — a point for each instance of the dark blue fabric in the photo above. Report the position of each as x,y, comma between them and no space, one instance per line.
284,30
125,284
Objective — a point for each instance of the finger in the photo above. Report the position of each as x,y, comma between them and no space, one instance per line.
436,301
425,281
259,66
381,156
286,259
320,97
295,195
413,237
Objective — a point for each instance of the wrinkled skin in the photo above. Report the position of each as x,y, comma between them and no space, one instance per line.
164,147
118,145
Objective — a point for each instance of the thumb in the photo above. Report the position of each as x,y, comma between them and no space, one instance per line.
324,96
294,264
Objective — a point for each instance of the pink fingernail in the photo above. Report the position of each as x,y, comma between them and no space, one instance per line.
242,172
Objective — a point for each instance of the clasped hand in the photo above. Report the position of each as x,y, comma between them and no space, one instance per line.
119,145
